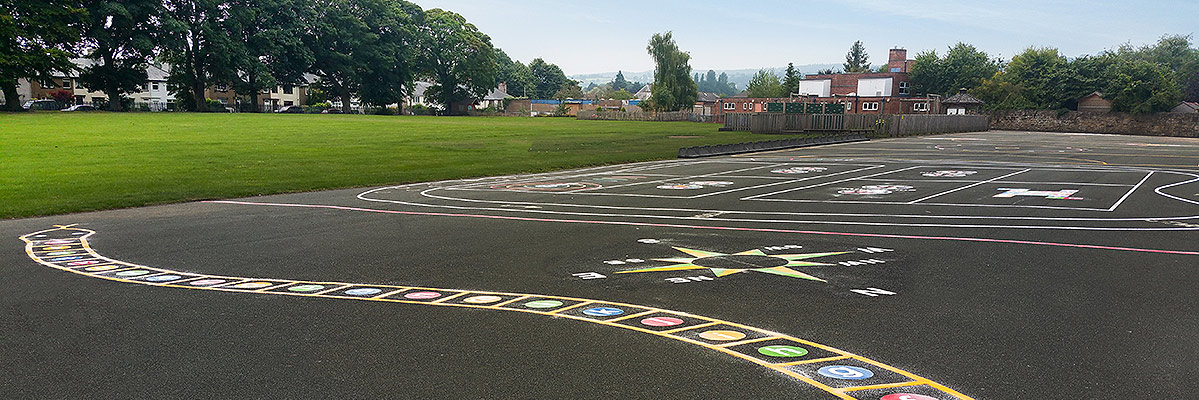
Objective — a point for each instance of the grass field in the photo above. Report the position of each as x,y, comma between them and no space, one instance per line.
54,163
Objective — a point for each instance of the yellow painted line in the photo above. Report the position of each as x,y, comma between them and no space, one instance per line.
445,299
572,306
691,327
813,361
510,301
580,302
761,339
631,316
884,386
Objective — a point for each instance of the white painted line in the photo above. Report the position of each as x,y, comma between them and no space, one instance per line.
782,183
935,204
825,184
1134,188
967,186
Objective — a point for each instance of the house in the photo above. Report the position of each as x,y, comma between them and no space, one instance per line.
645,92
1186,107
1094,102
866,93
962,103
705,103
495,99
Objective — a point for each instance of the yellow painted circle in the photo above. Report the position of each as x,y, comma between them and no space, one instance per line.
482,299
100,268
722,335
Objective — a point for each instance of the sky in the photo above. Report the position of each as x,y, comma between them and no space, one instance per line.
611,35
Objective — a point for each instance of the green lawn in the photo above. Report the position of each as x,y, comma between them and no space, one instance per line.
54,163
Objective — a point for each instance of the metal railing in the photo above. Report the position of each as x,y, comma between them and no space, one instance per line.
876,125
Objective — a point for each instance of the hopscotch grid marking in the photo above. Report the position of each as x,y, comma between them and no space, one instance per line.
385,294
969,186
448,298
748,341
504,303
813,361
883,386
581,302
687,328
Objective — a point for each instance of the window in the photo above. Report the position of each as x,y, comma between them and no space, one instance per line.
870,106
288,89
154,85
730,106
287,103
903,88
221,88
47,84
920,107
66,83
746,106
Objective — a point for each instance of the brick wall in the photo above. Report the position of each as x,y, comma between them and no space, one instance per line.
1160,124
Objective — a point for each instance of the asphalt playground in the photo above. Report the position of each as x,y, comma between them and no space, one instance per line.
990,265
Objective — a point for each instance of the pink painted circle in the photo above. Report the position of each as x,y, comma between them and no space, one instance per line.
661,321
906,396
206,282
422,295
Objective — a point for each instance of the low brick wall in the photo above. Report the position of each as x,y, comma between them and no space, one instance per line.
1161,124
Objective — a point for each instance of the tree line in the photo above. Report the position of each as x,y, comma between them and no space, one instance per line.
1150,78
371,50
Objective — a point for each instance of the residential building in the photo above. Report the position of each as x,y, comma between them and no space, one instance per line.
705,103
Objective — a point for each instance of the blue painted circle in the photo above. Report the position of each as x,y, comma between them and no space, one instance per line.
846,372
603,311
363,291
163,278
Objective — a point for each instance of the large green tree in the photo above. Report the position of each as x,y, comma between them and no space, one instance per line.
119,36
1140,86
673,87
196,44
856,60
790,81
547,79
459,58
36,38
765,83
963,66
1040,71
268,37
364,49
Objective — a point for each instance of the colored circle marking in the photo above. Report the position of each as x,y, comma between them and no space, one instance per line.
722,335
207,282
661,321
482,299
906,396
60,253
163,278
422,295
783,351
84,262
99,268
543,304
56,248
252,285
602,311
305,288
363,291
846,372
136,272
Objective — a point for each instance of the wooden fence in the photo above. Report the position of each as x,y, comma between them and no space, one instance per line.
608,115
876,125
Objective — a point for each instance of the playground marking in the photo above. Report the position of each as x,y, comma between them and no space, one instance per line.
77,238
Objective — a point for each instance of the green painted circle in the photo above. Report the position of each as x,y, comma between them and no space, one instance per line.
305,288
132,273
783,351
543,304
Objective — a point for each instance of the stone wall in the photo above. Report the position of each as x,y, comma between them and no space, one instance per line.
1160,124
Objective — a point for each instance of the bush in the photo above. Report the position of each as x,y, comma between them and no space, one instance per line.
213,105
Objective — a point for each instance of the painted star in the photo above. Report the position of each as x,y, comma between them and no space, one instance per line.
721,264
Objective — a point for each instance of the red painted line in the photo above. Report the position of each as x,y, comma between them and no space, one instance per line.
726,228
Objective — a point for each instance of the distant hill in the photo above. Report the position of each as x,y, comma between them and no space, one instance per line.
740,77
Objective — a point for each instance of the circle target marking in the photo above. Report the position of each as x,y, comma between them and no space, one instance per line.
138,272
422,295
544,304
906,396
305,288
722,335
602,311
163,278
207,282
482,299
99,268
846,372
783,351
662,321
363,291
252,285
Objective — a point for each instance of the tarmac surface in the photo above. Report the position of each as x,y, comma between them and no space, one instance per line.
992,265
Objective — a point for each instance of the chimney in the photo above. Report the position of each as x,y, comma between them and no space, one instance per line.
503,87
897,60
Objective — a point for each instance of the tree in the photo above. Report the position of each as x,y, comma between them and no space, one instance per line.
856,60
119,36
547,79
765,83
36,38
963,66
268,36
197,47
362,47
1039,71
621,95
458,57
673,87
1000,93
521,81
827,71
1140,86
569,90
790,81
619,83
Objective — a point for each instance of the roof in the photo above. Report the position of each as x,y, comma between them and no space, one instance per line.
1093,94
496,94
645,92
962,98
707,97
1193,105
